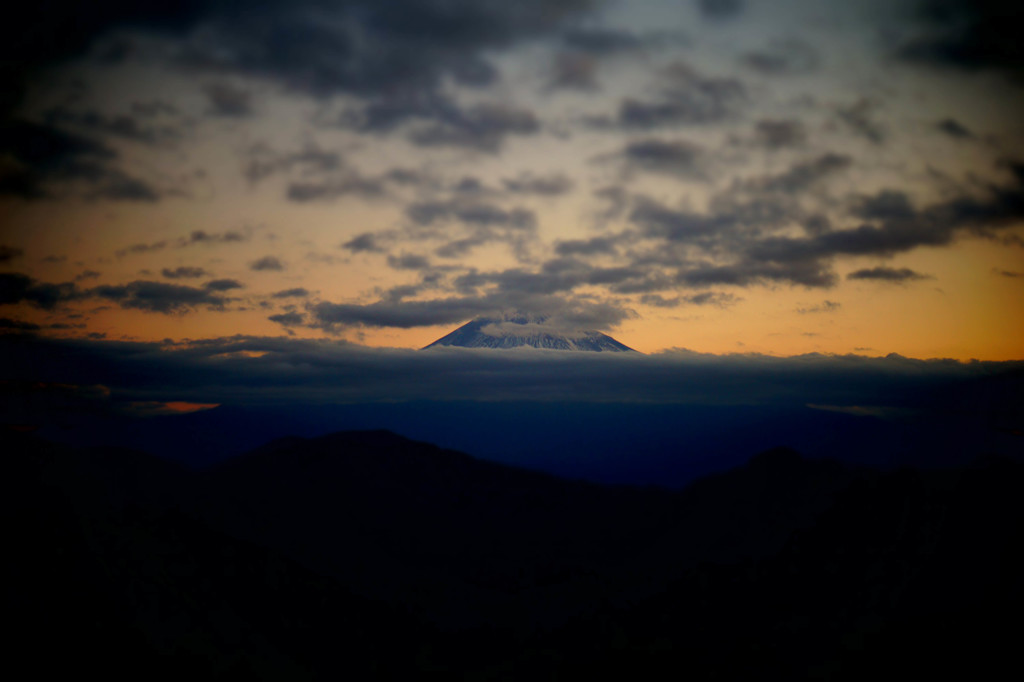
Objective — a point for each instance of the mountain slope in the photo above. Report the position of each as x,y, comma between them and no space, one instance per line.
515,331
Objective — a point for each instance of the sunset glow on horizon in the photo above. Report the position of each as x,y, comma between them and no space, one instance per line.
778,178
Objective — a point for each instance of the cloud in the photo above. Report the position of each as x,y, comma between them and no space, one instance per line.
328,190
473,213
87,274
574,71
228,101
263,162
606,41
954,129
542,185
781,58
686,98
408,261
183,272
800,176
884,274
146,124
668,157
267,263
778,134
141,248
18,325
9,253
716,299
247,371
38,159
363,243
158,297
587,247
223,285
428,313
968,35
859,119
720,9
483,127
16,287
204,237
289,319
825,306
297,292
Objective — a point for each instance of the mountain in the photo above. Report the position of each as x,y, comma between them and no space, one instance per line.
368,555
517,330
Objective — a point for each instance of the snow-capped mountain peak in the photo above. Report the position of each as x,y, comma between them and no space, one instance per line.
515,330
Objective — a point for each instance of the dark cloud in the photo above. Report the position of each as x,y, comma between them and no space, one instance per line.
263,162
473,213
777,134
228,101
953,128
859,119
884,274
542,185
574,71
408,261
183,272
267,263
390,57
289,319
223,285
9,253
744,237
969,35
587,247
247,371
87,274
409,314
605,42
117,186
297,292
363,243
686,98
801,175
749,271
203,237
669,157
7,323
720,9
141,248
715,299
137,126
786,57
352,185
825,306
483,128
16,287
158,297
41,156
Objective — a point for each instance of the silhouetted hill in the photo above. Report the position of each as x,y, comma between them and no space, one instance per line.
368,555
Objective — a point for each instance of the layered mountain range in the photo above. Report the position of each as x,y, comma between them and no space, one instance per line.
367,555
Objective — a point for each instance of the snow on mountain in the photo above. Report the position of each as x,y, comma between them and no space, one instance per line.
518,330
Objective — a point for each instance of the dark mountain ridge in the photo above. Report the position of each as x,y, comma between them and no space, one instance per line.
369,554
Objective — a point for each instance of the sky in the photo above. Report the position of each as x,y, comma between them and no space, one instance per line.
723,176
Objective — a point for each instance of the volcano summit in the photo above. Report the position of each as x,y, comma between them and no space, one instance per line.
514,331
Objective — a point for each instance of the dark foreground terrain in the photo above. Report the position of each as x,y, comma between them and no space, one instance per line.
364,555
